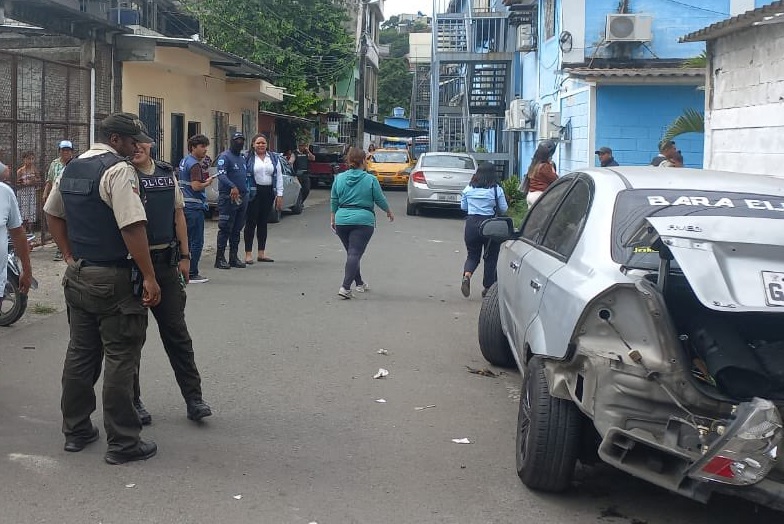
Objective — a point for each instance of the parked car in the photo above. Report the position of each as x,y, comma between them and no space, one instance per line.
437,179
389,166
292,197
644,307
330,160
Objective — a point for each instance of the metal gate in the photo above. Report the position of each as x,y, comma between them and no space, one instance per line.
41,103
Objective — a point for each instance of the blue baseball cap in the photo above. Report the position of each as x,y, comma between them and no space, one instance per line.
65,144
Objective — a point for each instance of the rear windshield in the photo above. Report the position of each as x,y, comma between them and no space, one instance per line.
633,206
390,158
450,162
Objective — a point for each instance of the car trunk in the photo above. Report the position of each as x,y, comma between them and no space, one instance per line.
723,280
447,179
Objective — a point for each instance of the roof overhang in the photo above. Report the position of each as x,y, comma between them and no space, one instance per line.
375,5
639,76
769,14
56,17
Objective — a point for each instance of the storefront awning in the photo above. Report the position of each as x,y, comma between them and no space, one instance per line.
377,128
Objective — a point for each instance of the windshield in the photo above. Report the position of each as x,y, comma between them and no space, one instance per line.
630,240
390,157
449,162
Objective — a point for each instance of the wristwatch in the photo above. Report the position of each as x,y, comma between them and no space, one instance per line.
185,256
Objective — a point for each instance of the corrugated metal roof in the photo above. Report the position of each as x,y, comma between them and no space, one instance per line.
736,23
641,73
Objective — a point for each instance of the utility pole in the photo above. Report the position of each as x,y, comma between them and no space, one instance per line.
362,64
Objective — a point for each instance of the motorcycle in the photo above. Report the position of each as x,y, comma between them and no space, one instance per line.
14,303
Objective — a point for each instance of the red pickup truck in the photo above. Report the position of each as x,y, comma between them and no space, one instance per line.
330,160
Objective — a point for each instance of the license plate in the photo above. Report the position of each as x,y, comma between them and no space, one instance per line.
456,198
774,288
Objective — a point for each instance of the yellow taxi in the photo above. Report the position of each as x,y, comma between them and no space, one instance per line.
390,166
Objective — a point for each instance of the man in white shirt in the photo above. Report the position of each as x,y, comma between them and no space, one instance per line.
11,225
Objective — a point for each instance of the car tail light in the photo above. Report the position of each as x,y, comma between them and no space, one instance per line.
419,177
746,450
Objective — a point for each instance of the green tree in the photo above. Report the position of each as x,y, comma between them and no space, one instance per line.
304,43
394,85
398,42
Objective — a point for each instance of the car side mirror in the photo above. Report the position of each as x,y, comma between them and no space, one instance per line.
498,229
407,171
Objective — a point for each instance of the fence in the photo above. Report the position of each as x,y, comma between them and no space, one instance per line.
41,103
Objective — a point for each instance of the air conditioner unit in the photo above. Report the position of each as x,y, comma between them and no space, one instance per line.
628,28
526,38
521,115
550,126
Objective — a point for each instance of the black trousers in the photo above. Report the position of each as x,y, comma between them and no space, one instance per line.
108,326
257,217
475,244
170,316
304,181
355,240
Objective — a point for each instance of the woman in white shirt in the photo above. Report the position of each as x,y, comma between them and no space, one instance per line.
267,174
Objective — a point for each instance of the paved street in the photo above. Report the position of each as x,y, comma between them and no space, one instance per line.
298,434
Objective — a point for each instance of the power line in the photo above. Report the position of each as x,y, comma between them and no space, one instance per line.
684,4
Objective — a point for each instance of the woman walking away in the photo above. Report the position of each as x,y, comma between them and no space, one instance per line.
482,198
541,172
355,193
264,167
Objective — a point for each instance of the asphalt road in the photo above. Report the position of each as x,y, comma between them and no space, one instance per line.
298,434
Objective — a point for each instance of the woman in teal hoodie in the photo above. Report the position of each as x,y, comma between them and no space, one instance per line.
355,193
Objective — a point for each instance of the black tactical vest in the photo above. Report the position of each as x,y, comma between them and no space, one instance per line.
92,229
301,162
159,203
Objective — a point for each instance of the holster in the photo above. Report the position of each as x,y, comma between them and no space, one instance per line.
137,281
174,249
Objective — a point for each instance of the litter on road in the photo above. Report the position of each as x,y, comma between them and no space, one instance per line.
483,372
238,497
461,441
381,401
425,407
130,485
381,373
382,351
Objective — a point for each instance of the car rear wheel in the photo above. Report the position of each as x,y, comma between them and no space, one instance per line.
492,341
411,209
548,433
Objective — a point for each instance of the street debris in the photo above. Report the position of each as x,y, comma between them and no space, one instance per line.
381,401
381,373
484,372
382,351
425,407
238,497
461,441
130,485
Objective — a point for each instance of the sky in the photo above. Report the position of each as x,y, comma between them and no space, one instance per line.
396,7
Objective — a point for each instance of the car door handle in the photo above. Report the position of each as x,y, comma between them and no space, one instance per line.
515,265
536,285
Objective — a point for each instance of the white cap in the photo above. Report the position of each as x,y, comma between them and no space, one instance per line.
65,144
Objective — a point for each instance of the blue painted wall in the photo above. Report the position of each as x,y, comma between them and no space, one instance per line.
760,3
575,112
671,20
631,120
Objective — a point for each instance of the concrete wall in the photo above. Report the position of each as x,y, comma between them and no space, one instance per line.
631,120
745,117
575,110
194,96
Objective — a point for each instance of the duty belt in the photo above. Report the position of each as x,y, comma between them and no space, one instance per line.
122,262
161,256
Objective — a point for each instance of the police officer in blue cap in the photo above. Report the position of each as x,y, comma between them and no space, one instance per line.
232,202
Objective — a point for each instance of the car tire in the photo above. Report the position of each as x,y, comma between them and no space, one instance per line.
411,209
548,433
274,216
492,341
298,206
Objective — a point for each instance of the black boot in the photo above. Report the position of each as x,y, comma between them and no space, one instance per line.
197,409
220,261
234,260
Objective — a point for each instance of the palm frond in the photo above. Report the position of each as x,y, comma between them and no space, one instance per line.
700,60
691,121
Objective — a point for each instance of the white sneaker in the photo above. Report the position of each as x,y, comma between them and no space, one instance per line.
362,288
198,279
344,293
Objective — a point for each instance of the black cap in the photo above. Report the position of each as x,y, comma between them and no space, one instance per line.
237,134
603,150
666,144
125,124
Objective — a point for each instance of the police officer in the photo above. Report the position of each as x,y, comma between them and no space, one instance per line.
300,161
168,238
232,202
97,219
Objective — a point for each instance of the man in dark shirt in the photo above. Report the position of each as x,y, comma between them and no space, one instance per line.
232,202
300,160
666,149
606,157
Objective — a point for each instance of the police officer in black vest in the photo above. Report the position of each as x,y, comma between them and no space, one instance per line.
96,217
300,161
167,233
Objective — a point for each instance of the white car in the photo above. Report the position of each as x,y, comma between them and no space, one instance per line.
644,308
437,180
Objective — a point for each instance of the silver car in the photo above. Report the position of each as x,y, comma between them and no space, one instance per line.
437,180
644,307
292,196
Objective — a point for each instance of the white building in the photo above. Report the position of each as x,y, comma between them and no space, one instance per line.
744,99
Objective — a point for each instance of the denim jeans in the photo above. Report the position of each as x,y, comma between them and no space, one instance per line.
195,220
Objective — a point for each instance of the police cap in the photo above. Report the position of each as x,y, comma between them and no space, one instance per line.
125,124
